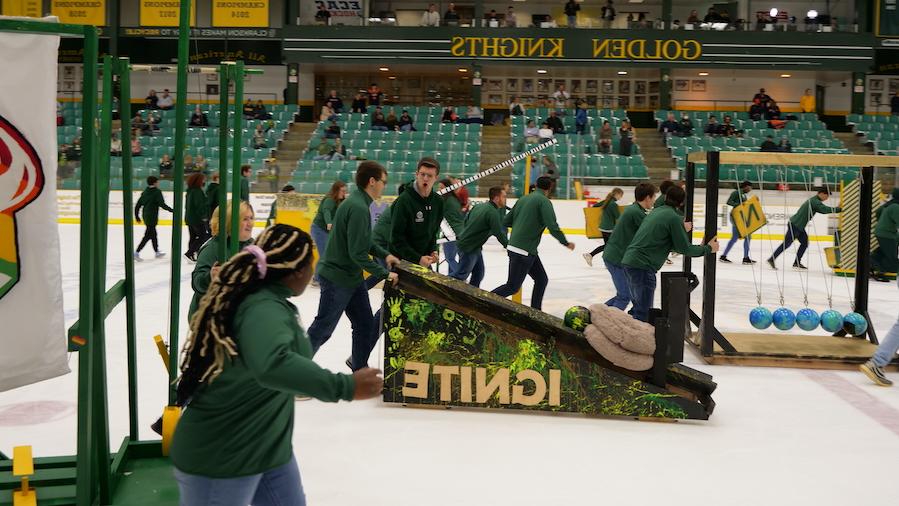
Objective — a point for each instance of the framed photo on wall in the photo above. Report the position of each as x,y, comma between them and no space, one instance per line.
894,86
511,84
591,100
640,102
527,85
624,102
875,100
495,85
639,88
591,86
697,85
876,84
681,85
575,86
608,86
653,101
653,86
495,99
542,85
624,86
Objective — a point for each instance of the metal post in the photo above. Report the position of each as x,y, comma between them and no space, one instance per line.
237,75
178,204
689,202
707,328
124,72
863,255
224,79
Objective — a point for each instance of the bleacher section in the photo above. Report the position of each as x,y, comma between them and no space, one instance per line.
456,146
578,155
881,132
806,135
200,141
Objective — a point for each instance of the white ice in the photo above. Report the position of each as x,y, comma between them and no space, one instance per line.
778,436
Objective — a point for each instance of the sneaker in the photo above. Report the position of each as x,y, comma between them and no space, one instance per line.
301,398
157,426
724,260
589,259
875,374
799,267
771,263
748,261
159,254
137,257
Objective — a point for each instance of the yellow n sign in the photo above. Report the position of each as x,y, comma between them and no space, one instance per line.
749,216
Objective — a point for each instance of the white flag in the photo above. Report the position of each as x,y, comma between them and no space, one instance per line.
32,329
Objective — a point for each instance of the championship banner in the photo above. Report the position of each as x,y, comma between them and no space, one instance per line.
240,13
33,336
164,13
80,12
25,8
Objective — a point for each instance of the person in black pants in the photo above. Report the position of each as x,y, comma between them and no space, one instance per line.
150,201
610,214
195,215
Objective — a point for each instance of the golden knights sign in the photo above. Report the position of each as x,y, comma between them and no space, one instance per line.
555,47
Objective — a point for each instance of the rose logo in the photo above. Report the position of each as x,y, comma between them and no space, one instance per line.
21,181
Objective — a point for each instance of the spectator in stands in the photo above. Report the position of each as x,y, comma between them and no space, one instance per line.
322,15
334,101
333,130
377,120
136,149
693,18
449,115
712,128
511,20
259,138
245,172
375,96
894,104
165,166
686,125
249,112
785,145
605,138
516,108
545,133
807,101
451,17
561,97
430,17
728,128
670,126
152,101
769,145
627,138
712,16
153,120
391,121
405,123
327,113
724,17
547,168
138,123
165,101
473,114
580,118
198,118
188,163
115,145
492,18
531,133
555,123
358,105
762,97
675,25
756,110
259,111
200,164
571,9
324,150
339,150
607,14
773,110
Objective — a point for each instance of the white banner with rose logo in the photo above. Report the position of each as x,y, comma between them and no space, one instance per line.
32,329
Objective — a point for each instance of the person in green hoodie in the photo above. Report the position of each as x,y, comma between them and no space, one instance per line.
737,198
245,359
324,217
212,193
150,201
415,217
621,238
531,214
662,231
245,171
481,222
455,218
884,257
610,215
663,190
343,289
797,224
195,215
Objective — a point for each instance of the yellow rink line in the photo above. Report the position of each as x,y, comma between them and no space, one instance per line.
567,231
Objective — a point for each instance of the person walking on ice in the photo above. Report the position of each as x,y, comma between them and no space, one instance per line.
150,201
737,198
797,224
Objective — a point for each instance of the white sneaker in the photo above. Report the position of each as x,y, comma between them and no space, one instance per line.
160,254
137,257
589,259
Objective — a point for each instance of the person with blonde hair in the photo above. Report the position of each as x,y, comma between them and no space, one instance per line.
610,215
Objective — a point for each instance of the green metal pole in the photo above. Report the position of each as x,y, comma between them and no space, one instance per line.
224,78
124,71
85,484
177,219
237,74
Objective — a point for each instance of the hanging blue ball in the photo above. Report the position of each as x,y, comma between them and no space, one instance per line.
784,319
760,317
855,324
807,319
831,320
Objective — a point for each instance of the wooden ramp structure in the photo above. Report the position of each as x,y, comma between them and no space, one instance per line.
838,351
450,344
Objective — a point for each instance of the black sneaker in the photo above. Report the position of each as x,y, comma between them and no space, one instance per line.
875,374
724,260
799,267
771,263
748,261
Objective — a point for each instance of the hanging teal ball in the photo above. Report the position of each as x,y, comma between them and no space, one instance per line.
807,319
577,317
784,319
855,324
831,320
760,317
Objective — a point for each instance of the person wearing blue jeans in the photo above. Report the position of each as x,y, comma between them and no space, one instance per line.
737,198
281,485
622,233
520,266
884,354
642,287
470,264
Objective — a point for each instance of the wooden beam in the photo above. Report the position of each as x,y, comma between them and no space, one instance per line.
810,159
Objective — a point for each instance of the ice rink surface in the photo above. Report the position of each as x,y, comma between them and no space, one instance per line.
778,436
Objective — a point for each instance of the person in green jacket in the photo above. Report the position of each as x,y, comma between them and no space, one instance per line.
245,171
797,224
623,234
324,217
662,231
884,257
150,201
737,198
245,359
415,217
343,290
195,215
481,222
610,215
455,218
663,190
273,210
212,193
529,217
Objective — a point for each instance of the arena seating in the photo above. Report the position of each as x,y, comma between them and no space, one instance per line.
881,132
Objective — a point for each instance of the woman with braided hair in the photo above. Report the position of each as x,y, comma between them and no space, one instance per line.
245,359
